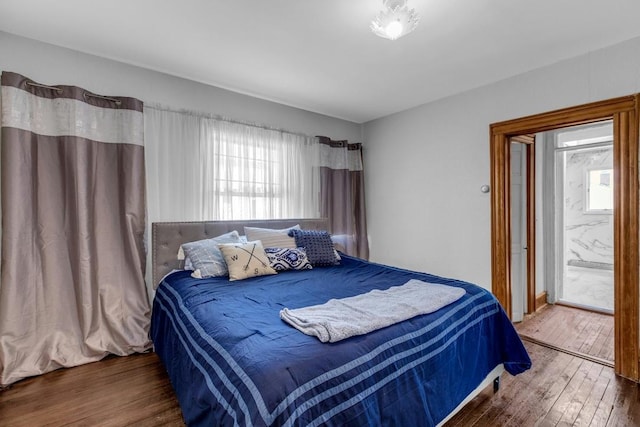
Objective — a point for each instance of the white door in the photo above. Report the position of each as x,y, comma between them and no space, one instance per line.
518,231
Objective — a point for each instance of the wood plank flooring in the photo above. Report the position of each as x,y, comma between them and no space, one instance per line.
117,391
572,329
560,389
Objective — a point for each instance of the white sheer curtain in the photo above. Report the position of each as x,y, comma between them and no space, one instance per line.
250,172
205,168
174,188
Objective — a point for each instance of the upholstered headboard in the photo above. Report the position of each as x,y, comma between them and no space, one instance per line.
168,236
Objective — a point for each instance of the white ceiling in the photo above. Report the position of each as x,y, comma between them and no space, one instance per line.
319,55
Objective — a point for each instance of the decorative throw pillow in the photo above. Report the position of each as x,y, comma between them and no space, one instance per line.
272,238
340,242
246,260
206,258
318,246
282,259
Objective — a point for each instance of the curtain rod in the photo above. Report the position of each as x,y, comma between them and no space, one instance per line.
85,94
224,119
108,98
30,83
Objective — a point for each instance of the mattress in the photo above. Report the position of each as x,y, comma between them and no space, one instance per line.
233,361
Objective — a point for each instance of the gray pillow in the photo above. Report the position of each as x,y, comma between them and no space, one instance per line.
206,258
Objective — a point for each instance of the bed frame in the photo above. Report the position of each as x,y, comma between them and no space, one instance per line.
168,236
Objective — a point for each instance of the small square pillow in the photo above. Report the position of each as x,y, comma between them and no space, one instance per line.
246,260
206,258
272,238
282,259
318,246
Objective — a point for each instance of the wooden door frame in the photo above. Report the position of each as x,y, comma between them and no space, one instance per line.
624,112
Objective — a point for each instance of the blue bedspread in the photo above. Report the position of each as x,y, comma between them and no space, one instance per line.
232,361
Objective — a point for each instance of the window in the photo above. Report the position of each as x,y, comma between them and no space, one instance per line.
256,173
248,182
599,185
585,135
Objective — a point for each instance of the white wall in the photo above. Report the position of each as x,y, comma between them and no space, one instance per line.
425,166
50,64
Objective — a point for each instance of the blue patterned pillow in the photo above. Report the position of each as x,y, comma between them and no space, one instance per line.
318,246
282,259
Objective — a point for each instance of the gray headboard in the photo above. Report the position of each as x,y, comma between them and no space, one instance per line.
168,236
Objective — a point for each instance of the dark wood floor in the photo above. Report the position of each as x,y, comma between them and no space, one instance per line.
572,329
560,389
117,391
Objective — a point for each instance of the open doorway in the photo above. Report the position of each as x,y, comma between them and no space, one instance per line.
574,228
573,186
623,114
569,191
582,210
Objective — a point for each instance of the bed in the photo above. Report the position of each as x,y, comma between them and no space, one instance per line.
233,361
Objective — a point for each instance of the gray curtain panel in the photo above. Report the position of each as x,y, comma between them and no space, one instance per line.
342,194
73,222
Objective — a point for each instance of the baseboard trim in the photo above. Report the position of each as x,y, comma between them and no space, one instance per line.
541,300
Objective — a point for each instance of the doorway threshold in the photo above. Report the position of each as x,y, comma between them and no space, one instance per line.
567,351
590,308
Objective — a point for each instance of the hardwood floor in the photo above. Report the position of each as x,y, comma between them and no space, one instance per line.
572,329
117,391
560,389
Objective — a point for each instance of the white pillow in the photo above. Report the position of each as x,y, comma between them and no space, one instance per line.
272,238
246,260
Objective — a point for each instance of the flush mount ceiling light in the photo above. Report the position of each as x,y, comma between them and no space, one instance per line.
395,20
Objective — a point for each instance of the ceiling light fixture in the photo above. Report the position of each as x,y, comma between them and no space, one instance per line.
395,20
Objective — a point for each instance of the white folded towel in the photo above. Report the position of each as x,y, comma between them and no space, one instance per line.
338,319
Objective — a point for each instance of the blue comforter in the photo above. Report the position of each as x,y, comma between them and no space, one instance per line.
232,361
